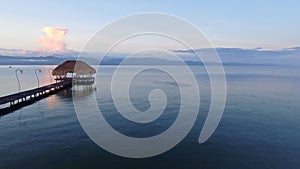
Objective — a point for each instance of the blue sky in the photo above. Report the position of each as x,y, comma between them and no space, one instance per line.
251,24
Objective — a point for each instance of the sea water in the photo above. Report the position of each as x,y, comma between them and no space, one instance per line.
259,128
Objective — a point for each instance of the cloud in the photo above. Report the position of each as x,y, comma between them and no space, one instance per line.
54,40
52,43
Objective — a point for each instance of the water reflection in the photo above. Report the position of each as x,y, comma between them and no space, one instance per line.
83,90
52,101
21,121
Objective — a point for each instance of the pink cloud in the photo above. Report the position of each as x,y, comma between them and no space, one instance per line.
54,40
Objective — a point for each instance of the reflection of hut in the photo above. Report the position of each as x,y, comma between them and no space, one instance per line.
78,71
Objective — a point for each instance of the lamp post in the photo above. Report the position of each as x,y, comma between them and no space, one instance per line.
37,77
16,72
50,71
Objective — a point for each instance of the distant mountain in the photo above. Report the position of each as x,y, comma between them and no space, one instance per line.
229,56
54,60
24,60
286,56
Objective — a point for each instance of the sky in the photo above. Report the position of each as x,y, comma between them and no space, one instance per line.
230,24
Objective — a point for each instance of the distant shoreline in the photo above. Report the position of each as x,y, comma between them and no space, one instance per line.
51,60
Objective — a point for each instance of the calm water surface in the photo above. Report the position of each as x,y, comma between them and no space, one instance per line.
259,129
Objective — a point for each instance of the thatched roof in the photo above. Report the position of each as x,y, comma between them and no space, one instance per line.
81,68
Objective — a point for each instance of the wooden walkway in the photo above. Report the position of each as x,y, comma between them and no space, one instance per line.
21,99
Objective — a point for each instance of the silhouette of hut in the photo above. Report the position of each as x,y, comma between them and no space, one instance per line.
78,71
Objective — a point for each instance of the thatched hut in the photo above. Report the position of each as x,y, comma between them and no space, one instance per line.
76,70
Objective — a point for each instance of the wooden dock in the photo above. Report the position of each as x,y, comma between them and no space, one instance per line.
21,99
